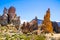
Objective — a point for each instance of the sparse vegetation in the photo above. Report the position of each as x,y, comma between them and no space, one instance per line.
20,37
5,34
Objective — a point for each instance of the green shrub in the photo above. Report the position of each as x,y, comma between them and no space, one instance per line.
39,37
7,36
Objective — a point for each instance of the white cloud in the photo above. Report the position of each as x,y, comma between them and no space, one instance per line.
57,21
23,21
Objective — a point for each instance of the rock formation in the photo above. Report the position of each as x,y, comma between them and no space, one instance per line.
11,13
3,18
47,23
9,17
25,27
12,17
34,24
30,26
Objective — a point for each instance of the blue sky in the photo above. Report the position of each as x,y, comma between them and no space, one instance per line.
28,9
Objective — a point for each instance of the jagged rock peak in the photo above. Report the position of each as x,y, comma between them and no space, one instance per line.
5,10
48,11
36,18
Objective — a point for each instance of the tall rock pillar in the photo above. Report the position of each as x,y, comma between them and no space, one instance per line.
47,22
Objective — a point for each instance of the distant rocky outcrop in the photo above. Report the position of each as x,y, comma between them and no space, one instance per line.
56,27
30,26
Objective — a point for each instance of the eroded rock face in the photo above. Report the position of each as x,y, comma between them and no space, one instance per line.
12,17
47,23
11,12
3,18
